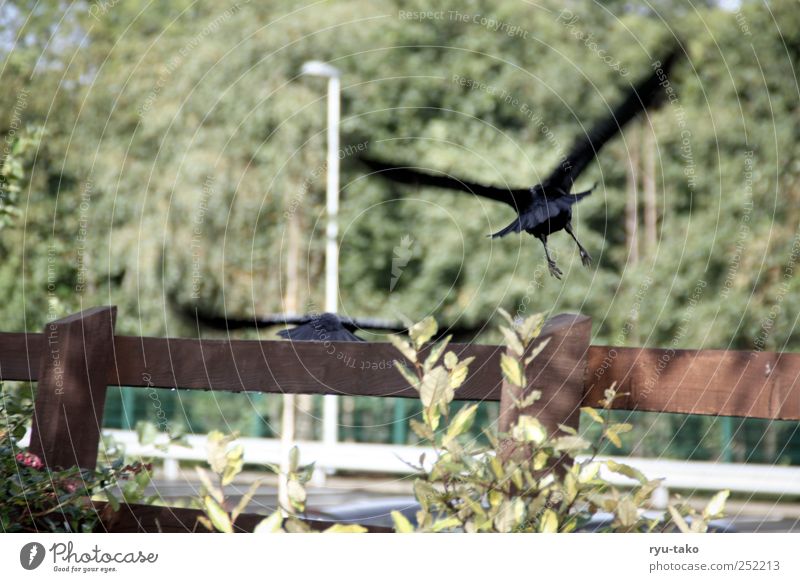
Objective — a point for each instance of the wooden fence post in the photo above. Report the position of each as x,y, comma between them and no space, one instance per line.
77,353
559,372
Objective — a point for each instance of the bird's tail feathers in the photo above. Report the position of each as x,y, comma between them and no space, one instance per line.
513,227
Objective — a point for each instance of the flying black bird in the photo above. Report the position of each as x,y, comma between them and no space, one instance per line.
323,327
547,207
314,326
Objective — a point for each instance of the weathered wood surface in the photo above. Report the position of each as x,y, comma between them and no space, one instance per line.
714,382
71,395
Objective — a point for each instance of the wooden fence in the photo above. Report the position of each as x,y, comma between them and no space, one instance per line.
76,358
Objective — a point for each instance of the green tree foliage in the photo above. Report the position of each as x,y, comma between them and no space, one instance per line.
181,137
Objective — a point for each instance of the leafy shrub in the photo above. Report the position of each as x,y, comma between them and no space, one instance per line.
34,498
526,480
226,463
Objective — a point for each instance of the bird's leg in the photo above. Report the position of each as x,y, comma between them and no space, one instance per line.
551,264
586,258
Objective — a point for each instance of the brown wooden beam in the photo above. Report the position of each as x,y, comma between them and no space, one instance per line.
70,397
712,382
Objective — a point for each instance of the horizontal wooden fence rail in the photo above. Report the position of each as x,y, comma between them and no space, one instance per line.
78,357
711,382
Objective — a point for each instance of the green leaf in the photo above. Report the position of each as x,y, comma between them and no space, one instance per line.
626,470
536,351
341,528
510,515
548,522
567,429
716,506
613,431
401,523
506,315
208,485
450,360
216,446
297,494
294,459
593,414
271,524
446,523
408,374
528,429
512,371
436,353
678,519
233,465
461,422
246,498
627,513
218,516
532,397
588,472
434,388
422,430
531,327
459,373
421,332
405,348
570,443
512,341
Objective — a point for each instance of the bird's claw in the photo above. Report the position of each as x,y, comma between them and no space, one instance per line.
586,259
554,270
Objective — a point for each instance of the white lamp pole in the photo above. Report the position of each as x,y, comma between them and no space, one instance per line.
330,412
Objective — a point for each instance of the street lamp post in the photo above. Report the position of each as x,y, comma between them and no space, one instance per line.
330,412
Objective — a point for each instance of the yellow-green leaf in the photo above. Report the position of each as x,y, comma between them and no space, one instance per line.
716,506
422,331
401,523
423,431
461,422
512,341
528,429
626,470
436,353
446,523
350,528
678,519
433,389
408,374
548,522
218,516
511,370
536,351
271,524
593,414
404,347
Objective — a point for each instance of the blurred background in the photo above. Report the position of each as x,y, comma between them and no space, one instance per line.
164,157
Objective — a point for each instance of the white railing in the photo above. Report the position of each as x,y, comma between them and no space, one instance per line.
394,459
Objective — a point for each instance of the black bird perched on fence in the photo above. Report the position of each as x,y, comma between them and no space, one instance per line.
547,207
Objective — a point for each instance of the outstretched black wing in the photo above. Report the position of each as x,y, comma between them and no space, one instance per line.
642,96
312,332
406,175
